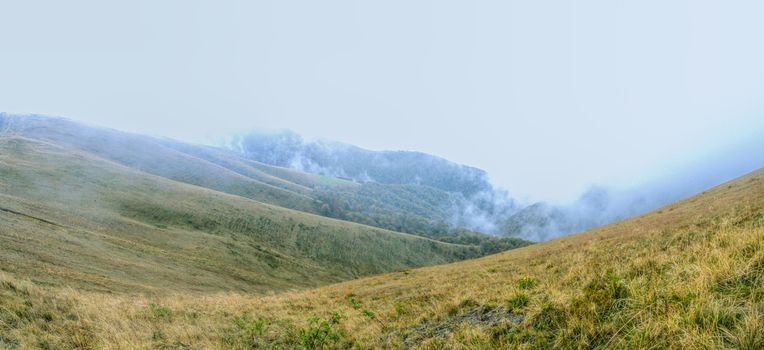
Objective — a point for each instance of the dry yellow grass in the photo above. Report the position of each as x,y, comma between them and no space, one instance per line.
690,275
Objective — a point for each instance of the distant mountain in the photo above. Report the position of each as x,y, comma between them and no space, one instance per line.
434,188
542,221
288,149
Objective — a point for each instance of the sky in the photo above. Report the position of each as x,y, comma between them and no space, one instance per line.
549,97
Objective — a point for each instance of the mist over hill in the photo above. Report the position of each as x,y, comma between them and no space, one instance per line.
410,192
289,149
602,205
467,198
415,209
471,201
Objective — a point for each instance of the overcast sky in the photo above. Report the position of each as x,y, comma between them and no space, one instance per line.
548,96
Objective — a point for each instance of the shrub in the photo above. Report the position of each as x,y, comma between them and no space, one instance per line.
251,327
248,334
353,302
369,314
158,311
320,333
518,301
400,309
526,282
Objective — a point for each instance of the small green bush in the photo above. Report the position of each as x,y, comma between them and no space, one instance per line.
251,327
158,311
400,309
322,334
354,302
369,314
518,301
248,333
526,282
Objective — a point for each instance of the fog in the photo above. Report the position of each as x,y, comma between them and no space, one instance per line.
473,202
480,205
602,205
549,100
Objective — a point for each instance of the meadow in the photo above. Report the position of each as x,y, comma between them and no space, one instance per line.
690,276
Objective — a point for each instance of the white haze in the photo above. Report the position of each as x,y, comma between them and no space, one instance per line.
601,205
549,97
598,205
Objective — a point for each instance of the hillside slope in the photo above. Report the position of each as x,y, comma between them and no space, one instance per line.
157,157
225,171
68,217
690,275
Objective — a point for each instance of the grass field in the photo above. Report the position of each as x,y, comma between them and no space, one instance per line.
690,275
71,218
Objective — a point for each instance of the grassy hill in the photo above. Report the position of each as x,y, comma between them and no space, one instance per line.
157,157
69,217
419,210
690,275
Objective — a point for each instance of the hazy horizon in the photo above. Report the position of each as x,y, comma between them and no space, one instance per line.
549,100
